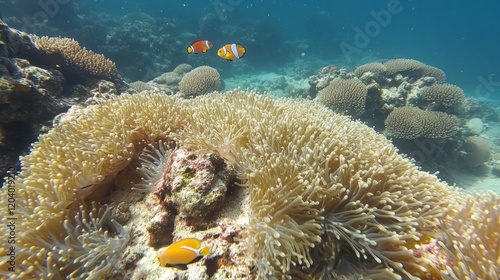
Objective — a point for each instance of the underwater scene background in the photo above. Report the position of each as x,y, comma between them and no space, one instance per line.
277,139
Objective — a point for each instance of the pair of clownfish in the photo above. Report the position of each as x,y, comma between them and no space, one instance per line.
181,253
228,52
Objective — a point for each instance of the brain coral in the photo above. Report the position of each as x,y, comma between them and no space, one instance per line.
412,122
328,197
346,96
200,80
446,95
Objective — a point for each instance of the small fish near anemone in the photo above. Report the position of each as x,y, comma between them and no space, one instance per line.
200,46
231,52
181,253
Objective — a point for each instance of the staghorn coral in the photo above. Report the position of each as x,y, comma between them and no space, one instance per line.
446,95
412,123
345,96
66,53
199,81
322,201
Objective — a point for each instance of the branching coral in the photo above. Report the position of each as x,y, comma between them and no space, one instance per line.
327,196
345,96
68,54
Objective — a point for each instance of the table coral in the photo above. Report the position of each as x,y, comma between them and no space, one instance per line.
314,200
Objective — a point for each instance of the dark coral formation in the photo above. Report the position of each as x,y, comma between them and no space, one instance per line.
143,47
37,83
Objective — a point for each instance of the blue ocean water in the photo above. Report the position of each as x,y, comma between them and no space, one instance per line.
460,37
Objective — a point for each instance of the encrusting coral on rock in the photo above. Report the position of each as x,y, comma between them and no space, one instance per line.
312,198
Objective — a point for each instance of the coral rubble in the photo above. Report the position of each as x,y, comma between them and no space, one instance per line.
312,198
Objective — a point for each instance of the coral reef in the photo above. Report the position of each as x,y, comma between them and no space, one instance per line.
39,83
325,76
431,130
442,95
414,69
412,123
67,55
201,80
314,198
142,46
169,81
344,96
140,86
373,67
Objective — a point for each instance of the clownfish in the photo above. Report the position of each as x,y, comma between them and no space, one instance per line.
181,253
231,52
200,46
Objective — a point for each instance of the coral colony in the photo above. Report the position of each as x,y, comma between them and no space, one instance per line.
139,182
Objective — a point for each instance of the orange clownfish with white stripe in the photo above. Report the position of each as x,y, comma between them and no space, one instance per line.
200,46
231,52
181,253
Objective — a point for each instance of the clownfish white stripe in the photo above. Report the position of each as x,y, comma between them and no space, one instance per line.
207,44
224,49
196,251
235,50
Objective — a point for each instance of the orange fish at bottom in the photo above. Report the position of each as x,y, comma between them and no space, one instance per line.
181,253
